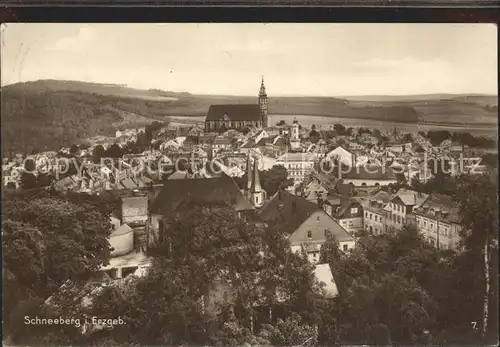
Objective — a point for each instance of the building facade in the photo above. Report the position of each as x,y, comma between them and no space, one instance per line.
439,222
298,165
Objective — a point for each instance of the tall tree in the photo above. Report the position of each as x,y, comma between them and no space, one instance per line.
340,129
478,199
114,151
97,153
75,236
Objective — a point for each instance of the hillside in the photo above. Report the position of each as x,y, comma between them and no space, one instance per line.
479,98
45,115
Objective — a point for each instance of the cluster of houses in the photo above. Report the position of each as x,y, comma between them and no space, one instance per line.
237,140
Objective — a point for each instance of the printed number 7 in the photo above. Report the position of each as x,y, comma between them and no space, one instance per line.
474,324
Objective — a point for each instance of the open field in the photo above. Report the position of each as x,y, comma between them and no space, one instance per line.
48,114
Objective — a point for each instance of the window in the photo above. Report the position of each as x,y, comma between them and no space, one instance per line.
366,214
309,234
370,216
354,210
345,247
399,219
425,224
317,218
326,232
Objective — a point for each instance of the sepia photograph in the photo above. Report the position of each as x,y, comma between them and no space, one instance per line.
249,184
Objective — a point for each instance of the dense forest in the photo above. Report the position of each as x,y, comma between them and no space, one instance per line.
394,289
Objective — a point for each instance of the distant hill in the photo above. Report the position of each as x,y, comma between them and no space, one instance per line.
93,88
480,98
48,114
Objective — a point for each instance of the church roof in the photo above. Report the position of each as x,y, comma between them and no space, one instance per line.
239,112
220,190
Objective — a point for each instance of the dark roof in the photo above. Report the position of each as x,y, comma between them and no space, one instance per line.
234,112
345,203
213,190
288,211
445,203
344,189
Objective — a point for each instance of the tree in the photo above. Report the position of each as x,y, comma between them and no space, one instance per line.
491,160
245,130
330,252
274,179
478,201
44,179
314,135
340,129
97,153
73,149
384,277
438,136
222,129
271,180
407,137
290,332
24,257
75,236
28,178
114,151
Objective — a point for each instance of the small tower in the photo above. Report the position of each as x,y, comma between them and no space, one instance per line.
294,137
263,103
257,194
249,175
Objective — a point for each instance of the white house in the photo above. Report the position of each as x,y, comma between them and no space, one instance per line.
342,155
298,165
305,223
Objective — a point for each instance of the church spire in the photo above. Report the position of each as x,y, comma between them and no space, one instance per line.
263,103
256,179
262,92
249,173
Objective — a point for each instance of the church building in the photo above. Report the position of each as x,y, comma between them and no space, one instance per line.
238,116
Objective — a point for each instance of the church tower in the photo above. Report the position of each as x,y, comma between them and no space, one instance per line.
263,103
249,175
295,136
257,194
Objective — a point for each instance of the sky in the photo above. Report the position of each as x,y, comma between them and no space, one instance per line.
229,59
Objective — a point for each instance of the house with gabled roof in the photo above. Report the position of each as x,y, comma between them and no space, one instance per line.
402,205
305,223
347,211
177,194
438,219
